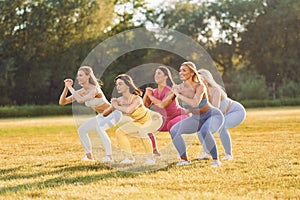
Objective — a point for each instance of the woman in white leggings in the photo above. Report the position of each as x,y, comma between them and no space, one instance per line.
234,113
92,95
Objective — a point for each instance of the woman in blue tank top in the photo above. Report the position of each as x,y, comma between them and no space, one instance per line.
204,119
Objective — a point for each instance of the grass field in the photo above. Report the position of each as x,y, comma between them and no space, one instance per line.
40,159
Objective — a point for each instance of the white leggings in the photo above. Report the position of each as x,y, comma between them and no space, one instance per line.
100,124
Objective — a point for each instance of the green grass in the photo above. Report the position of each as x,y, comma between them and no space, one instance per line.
40,159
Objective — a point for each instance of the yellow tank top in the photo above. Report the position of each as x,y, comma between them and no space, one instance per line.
141,114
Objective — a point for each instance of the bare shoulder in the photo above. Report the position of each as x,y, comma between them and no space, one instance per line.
136,99
199,86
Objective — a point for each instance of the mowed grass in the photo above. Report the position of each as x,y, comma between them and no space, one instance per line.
40,159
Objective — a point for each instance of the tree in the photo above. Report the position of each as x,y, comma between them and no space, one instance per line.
271,43
38,40
216,25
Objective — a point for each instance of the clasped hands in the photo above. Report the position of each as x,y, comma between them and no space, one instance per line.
114,102
68,82
176,89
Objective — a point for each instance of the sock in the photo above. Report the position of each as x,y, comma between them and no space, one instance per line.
153,141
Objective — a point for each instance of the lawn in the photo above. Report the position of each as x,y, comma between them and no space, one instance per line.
40,159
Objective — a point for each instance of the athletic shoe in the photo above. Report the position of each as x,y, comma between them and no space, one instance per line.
227,157
183,162
128,161
204,156
216,163
107,159
150,161
85,158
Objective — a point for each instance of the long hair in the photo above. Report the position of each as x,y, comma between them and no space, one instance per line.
167,73
193,68
207,76
129,82
89,72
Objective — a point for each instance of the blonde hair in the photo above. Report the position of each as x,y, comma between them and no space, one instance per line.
193,68
207,76
89,72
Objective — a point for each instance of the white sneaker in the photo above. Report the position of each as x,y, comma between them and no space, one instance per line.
127,161
150,161
216,163
204,156
227,157
107,159
183,162
85,158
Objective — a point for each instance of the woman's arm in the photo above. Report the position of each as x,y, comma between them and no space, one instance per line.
81,99
215,98
166,100
127,109
195,100
63,99
146,100
108,110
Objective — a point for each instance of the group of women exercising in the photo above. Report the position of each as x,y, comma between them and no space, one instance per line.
205,109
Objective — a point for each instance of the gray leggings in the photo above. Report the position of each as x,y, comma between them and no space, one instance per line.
100,124
205,124
234,116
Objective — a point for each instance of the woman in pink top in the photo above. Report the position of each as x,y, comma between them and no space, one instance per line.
164,102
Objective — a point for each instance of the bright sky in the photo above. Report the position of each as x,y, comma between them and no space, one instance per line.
154,3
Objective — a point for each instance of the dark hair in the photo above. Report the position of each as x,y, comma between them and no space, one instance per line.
167,73
129,82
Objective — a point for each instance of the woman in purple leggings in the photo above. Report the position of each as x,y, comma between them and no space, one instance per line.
205,119
234,113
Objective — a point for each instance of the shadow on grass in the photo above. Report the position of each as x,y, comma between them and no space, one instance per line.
63,178
5,171
64,172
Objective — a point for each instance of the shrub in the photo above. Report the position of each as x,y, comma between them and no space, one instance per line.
247,85
288,88
34,110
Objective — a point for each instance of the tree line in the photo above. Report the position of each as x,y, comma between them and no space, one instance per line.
256,48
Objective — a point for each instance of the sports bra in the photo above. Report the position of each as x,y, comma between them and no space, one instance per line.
97,101
223,103
202,104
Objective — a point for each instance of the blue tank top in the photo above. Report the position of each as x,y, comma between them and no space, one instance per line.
202,104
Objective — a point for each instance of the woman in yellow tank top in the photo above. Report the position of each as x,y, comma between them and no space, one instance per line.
143,120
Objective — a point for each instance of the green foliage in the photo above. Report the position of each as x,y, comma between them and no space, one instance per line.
271,103
43,42
247,85
289,88
34,110
271,42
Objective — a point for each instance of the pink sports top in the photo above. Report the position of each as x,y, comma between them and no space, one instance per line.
173,109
